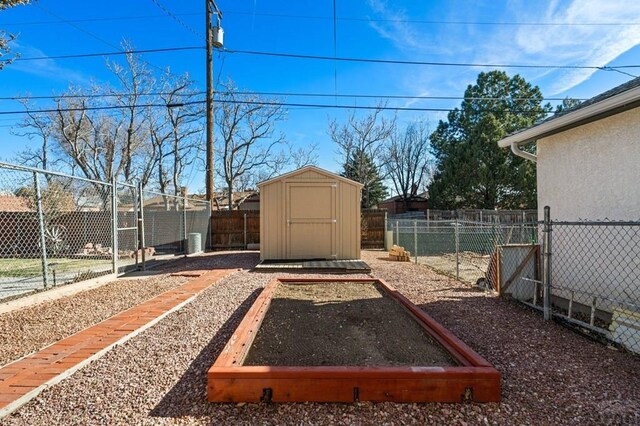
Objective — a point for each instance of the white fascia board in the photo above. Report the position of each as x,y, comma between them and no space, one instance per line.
569,120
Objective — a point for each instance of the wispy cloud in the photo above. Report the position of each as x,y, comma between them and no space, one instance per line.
569,43
575,44
403,36
45,68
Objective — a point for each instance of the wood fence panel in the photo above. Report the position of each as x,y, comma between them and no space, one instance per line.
372,228
227,229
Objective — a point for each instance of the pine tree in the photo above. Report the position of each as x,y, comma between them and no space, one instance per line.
471,170
360,167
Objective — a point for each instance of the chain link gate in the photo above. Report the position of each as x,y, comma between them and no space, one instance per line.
57,229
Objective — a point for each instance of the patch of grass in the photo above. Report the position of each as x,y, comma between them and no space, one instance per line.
33,267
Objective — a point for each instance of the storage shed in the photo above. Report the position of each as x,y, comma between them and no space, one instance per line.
310,213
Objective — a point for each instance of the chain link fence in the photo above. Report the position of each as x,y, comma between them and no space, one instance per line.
586,274
57,229
594,278
459,248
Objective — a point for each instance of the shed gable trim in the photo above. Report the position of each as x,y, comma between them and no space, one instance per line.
314,169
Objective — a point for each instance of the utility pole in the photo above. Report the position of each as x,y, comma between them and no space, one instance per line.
210,6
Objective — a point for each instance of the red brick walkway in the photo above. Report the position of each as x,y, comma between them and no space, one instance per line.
22,380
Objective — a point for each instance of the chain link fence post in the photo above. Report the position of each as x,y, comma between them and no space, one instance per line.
210,226
41,228
141,242
114,225
415,240
546,263
397,241
184,224
457,238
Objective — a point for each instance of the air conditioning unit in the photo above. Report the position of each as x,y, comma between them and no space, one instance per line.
625,329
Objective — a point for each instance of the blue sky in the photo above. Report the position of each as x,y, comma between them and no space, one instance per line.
506,32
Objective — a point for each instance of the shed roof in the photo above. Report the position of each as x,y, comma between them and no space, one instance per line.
619,99
311,168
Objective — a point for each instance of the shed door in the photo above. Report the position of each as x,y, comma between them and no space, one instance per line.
311,220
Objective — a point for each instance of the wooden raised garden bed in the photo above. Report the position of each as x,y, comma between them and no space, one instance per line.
345,340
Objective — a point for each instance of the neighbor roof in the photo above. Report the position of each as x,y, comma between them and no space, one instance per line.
619,99
418,197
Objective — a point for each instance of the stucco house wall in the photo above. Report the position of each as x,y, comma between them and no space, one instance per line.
592,172
588,169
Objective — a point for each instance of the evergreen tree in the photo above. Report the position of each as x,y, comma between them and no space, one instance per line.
361,168
471,170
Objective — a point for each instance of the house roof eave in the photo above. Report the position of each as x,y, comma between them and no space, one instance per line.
606,107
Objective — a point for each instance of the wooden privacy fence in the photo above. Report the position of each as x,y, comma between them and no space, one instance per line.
372,228
235,229
238,229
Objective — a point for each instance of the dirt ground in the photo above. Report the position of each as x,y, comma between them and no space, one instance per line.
472,266
341,323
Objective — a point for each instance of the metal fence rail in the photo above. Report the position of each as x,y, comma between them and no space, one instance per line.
456,247
586,274
57,229
595,278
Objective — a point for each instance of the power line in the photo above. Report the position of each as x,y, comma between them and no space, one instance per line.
292,94
175,18
82,30
229,101
447,64
329,58
356,19
102,19
441,22
118,53
99,38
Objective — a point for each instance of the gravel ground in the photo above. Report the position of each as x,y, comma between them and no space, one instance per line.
30,329
550,374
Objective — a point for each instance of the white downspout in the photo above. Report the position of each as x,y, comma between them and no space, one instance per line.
515,148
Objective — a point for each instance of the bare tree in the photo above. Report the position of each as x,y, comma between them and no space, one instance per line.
249,144
184,120
35,126
135,81
360,142
407,160
303,156
5,38
174,133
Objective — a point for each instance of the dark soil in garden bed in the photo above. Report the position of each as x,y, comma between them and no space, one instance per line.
341,324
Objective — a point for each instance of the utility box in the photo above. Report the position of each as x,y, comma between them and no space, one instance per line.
310,213
194,243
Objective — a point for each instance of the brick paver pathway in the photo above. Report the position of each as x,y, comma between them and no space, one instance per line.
24,379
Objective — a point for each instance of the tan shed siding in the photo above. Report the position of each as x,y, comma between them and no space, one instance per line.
358,227
309,175
340,239
271,221
348,222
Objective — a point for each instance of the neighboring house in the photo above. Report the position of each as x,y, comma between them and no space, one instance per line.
252,202
11,203
221,200
396,205
588,169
